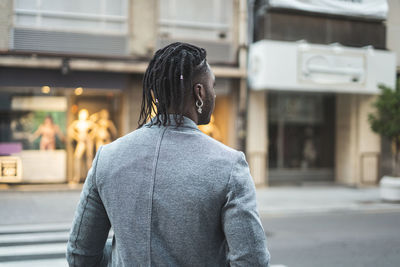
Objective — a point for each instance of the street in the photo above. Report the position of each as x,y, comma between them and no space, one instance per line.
335,239
34,227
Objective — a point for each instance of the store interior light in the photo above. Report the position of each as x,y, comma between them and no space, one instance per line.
78,91
74,109
45,89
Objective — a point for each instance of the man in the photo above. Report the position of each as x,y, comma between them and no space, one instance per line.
173,195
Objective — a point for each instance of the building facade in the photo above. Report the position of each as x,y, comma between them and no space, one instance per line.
314,71
71,75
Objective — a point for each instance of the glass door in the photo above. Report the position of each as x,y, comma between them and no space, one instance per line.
301,137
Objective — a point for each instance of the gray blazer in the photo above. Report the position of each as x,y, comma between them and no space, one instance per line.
174,197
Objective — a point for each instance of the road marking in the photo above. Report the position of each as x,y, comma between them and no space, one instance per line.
27,250
36,263
8,239
27,228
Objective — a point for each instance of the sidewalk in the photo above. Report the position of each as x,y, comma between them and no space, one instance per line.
281,201
40,187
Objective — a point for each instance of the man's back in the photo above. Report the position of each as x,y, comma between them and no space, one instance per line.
176,197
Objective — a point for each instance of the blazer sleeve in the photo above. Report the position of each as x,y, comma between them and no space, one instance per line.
240,220
90,226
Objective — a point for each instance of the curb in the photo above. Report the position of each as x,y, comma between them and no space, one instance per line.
40,187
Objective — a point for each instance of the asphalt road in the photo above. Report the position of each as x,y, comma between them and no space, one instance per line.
335,239
37,207
345,238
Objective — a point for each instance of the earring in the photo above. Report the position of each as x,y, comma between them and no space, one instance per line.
199,106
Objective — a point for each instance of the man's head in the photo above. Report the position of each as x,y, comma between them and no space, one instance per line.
178,81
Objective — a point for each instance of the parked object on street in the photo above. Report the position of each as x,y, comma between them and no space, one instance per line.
390,188
386,122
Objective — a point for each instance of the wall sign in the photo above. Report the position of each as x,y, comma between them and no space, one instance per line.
300,66
320,67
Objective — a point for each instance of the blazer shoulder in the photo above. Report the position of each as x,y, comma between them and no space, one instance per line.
125,142
219,147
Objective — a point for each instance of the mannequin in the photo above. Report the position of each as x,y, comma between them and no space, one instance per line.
105,129
82,131
48,131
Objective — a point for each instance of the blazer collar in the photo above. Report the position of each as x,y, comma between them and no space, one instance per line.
187,123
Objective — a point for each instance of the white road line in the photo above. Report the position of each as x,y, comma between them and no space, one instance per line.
60,237
24,228
34,237
36,263
27,250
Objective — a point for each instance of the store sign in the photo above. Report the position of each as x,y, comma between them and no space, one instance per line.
54,103
377,9
300,66
10,169
322,67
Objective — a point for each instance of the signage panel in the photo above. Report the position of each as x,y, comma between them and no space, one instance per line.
299,66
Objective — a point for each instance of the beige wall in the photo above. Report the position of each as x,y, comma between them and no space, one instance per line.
357,147
393,28
5,23
256,141
143,27
131,101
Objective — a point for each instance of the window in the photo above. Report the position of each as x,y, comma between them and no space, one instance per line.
105,16
191,19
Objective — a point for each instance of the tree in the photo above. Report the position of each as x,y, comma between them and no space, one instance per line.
386,120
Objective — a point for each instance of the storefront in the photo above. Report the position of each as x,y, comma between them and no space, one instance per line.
308,111
51,128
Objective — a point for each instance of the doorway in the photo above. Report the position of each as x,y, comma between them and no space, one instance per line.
301,130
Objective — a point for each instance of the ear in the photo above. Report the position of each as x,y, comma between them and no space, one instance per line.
199,92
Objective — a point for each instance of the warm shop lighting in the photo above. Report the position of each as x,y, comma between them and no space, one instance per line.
74,109
79,91
45,89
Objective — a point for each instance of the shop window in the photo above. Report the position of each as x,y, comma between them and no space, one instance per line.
92,123
32,135
52,135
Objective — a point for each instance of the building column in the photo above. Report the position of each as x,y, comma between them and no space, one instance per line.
357,147
256,141
143,27
6,13
131,105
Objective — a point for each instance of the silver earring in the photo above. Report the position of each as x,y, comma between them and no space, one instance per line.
199,106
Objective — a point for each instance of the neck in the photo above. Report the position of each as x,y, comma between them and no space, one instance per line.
192,115
189,113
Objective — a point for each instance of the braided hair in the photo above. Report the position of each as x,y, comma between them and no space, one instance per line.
168,81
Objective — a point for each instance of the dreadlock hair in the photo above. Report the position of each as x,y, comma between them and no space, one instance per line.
168,80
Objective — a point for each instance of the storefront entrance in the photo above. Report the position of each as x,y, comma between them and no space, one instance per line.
301,131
